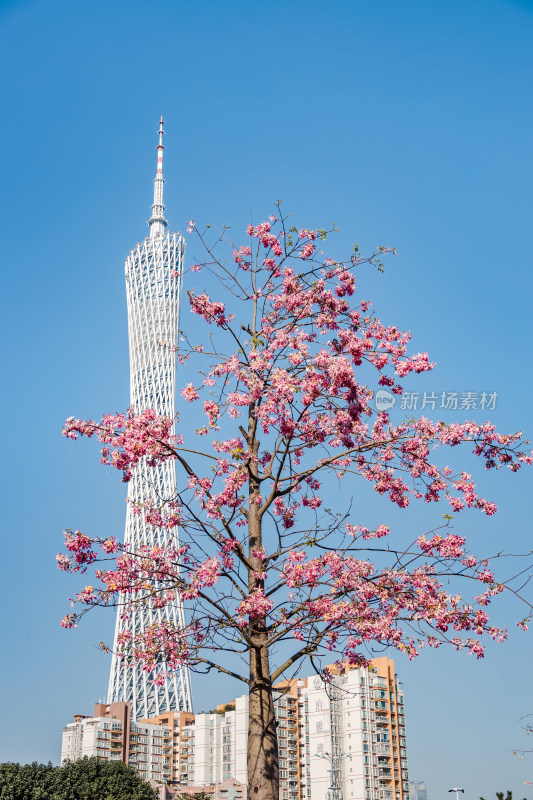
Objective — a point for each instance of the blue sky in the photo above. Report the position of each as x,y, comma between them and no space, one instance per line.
407,124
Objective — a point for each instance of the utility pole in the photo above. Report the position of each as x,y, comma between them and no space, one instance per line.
335,790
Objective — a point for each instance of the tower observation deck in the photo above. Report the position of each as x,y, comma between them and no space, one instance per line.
153,287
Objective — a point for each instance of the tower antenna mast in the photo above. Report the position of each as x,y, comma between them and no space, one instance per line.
157,221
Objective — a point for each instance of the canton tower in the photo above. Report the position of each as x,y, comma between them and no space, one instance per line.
154,272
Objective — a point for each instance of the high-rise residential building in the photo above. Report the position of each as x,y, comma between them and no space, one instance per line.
154,271
347,734
418,790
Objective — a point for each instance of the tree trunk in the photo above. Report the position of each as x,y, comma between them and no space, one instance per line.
263,769
262,757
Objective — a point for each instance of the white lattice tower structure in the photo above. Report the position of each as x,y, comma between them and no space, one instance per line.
153,286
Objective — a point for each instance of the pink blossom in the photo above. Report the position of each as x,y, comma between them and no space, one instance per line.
189,393
256,606
378,533
307,250
210,311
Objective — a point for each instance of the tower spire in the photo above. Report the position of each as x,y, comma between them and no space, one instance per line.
157,221
160,148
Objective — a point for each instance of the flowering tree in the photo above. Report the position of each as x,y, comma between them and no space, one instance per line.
259,562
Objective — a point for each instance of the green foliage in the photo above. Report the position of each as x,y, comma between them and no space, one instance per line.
194,796
500,796
227,707
85,779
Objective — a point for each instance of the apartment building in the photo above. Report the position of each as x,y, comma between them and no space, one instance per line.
348,733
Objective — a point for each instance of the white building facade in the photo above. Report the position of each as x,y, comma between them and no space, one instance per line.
353,725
